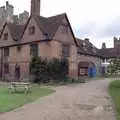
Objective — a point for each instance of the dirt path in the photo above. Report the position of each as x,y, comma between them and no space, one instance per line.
89,101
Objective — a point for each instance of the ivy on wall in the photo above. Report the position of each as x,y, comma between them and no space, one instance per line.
44,70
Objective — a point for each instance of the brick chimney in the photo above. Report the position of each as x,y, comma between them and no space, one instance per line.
87,40
103,45
35,7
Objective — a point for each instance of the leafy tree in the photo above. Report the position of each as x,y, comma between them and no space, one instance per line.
114,66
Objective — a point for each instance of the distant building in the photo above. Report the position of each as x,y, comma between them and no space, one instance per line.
2,14
23,17
9,12
7,15
15,19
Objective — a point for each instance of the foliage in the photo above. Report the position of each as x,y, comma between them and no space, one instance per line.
43,70
9,101
38,68
114,67
114,90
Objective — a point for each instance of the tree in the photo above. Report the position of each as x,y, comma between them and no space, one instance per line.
114,66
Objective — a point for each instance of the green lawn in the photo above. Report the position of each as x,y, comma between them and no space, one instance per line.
9,101
114,90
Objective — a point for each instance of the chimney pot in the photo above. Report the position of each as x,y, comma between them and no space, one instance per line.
87,39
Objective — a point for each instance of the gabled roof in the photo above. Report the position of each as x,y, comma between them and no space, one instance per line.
49,25
16,31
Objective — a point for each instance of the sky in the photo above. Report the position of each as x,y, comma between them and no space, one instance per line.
98,20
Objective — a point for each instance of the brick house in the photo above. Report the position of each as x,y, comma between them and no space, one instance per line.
49,38
19,43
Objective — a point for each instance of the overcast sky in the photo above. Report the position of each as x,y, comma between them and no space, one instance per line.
98,20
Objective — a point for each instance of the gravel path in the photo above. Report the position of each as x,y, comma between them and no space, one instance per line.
89,101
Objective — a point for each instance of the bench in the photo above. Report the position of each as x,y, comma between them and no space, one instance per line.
15,86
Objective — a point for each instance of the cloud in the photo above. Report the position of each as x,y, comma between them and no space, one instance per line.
99,30
110,29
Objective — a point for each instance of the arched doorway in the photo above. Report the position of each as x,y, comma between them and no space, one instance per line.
86,69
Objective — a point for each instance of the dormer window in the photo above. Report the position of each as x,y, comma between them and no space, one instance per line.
5,36
31,30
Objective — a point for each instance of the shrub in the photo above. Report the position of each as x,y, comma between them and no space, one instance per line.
44,70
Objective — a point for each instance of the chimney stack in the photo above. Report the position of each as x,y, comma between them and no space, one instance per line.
7,3
35,7
103,45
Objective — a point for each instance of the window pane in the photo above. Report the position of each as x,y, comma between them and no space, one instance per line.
6,51
18,48
34,49
65,50
6,36
31,30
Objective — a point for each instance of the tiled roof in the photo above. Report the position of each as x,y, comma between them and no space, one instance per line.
16,31
87,48
49,25
109,52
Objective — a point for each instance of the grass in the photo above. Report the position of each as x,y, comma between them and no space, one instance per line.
9,101
114,90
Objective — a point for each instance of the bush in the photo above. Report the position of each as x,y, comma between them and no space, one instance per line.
114,67
44,71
